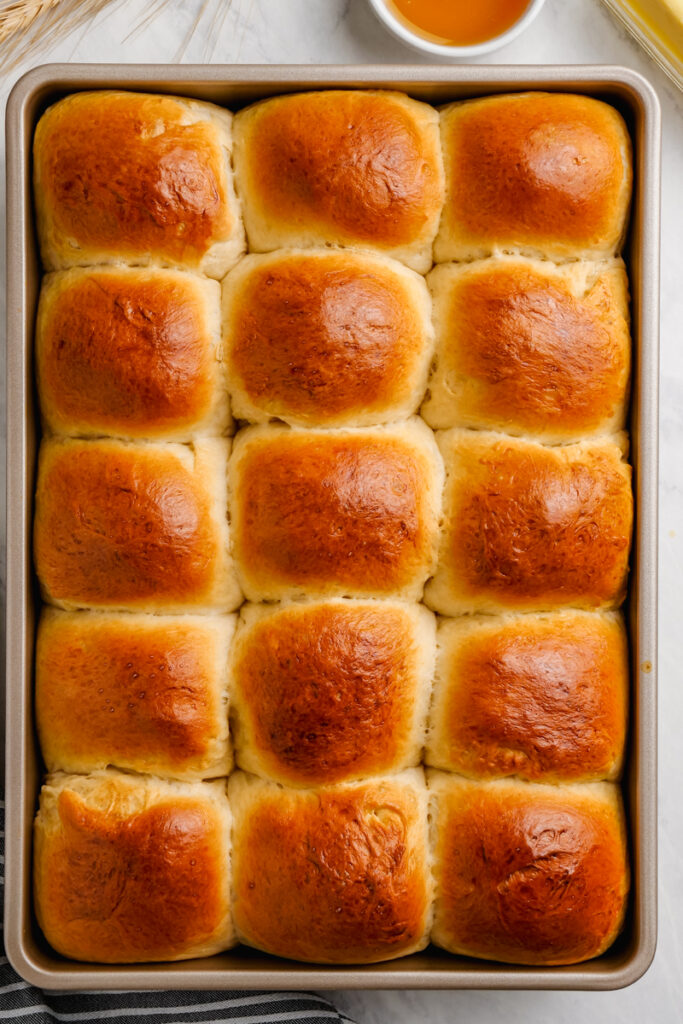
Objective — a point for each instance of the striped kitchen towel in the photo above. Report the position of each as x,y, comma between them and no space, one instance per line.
28,1005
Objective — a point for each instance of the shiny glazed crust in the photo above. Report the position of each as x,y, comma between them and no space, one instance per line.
544,174
134,526
132,869
130,352
542,697
343,512
332,690
136,178
333,875
343,168
326,338
529,348
527,874
530,528
327,326
151,693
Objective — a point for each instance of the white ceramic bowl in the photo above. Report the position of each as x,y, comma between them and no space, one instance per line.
402,31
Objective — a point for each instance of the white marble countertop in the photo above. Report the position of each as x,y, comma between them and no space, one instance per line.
580,32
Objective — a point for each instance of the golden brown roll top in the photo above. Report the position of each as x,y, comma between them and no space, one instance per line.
130,869
525,873
333,875
546,174
339,512
524,347
326,338
530,528
344,168
543,697
151,693
130,352
331,690
136,178
134,526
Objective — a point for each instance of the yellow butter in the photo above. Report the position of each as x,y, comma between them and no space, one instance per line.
665,18
658,26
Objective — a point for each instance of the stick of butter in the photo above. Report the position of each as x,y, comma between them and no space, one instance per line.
658,27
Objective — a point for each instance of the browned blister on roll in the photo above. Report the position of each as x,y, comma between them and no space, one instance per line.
124,177
525,873
358,168
332,875
130,868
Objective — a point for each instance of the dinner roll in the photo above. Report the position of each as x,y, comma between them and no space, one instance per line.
129,868
543,697
343,512
130,352
326,337
529,527
546,174
331,690
151,692
527,874
135,178
361,167
134,526
334,875
527,347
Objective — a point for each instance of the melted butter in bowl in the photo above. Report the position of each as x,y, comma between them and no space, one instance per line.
459,24
453,28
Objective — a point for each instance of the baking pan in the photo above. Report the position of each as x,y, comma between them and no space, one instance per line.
234,86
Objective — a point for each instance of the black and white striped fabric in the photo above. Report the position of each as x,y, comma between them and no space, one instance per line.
27,1005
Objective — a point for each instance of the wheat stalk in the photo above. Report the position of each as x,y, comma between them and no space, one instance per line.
28,26
18,15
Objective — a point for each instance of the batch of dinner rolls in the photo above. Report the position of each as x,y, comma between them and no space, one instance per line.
332,540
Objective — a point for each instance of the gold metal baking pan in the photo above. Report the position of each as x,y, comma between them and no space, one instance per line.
234,86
